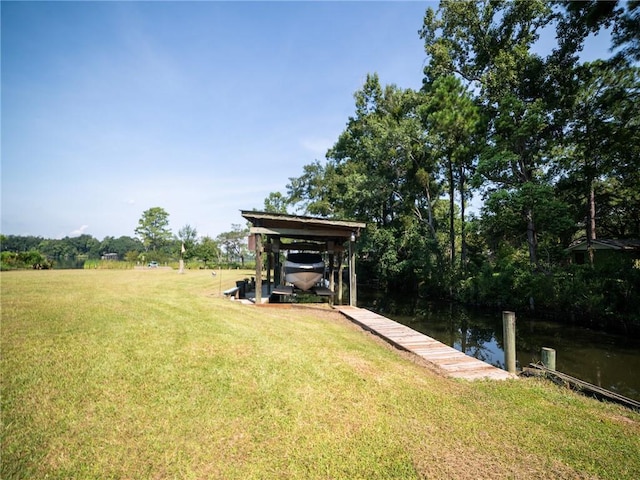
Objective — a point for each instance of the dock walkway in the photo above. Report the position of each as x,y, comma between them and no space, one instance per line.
450,361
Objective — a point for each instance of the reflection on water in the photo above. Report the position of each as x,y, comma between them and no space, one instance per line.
68,263
607,360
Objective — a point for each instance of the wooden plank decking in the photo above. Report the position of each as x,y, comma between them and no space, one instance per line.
447,359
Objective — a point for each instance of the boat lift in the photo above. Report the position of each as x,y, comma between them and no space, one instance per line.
286,233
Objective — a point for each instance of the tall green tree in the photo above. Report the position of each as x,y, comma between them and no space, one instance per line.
124,244
276,202
208,250
601,140
188,237
380,170
58,248
600,99
20,243
82,245
234,244
579,19
452,120
626,33
326,189
489,45
384,148
153,229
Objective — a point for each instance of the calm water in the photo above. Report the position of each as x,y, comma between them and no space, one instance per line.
65,264
607,360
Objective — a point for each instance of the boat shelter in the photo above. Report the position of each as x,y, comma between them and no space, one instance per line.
609,251
283,233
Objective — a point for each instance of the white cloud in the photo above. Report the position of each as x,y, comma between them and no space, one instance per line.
79,231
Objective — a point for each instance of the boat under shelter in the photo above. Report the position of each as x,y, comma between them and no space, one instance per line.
286,233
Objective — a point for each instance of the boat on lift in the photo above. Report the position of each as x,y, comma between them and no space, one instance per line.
303,270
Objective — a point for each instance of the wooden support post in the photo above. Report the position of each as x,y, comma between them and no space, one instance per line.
548,357
352,276
258,238
331,276
509,333
277,277
269,266
340,269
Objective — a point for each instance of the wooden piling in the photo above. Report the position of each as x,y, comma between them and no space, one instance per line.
340,271
509,333
258,243
548,358
352,275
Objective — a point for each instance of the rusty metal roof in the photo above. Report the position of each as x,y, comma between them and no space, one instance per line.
302,227
628,244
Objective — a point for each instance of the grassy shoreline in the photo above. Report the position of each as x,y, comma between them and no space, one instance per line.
151,374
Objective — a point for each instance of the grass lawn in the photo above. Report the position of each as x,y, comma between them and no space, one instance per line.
151,374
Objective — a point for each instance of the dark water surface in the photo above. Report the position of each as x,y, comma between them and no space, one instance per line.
608,360
67,264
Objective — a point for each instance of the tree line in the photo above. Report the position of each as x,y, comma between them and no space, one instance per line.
153,241
550,143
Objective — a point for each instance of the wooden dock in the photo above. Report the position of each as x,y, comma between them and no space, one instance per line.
450,361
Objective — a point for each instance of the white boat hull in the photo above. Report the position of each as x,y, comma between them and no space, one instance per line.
303,271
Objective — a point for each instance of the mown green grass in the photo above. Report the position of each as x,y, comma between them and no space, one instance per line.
151,374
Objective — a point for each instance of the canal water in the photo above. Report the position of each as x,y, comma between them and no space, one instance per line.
608,360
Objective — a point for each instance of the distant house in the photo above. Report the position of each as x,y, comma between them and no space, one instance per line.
605,250
110,256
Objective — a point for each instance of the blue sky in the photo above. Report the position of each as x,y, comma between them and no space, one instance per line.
109,109
201,108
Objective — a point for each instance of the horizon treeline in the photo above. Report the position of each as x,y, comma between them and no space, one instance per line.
154,241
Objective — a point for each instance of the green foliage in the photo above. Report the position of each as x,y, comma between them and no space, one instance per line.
233,245
153,229
208,251
534,134
87,252
587,17
31,259
452,120
276,202
120,245
605,295
188,237
18,243
600,148
504,210
315,190
489,45
108,265
131,256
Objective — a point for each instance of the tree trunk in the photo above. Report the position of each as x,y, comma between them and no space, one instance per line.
532,239
452,231
463,233
591,221
592,211
432,229
532,242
